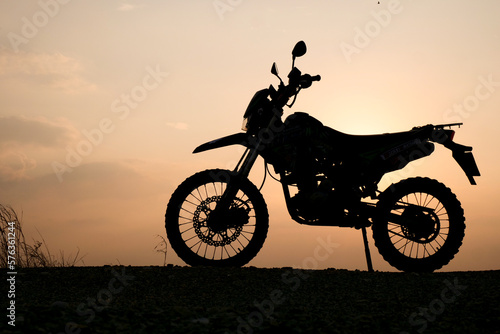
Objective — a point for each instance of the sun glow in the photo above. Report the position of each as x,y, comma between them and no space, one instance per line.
60,78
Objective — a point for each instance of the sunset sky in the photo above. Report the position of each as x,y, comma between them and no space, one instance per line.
103,102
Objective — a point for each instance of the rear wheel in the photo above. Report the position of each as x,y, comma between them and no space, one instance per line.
231,239
420,225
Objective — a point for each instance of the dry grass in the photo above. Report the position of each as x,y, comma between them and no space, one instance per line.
23,253
162,248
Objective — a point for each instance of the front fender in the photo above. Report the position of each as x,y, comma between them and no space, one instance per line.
235,139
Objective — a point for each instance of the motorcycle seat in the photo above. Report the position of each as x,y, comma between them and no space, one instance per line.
353,144
370,142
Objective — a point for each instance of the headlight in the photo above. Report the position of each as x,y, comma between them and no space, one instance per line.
244,126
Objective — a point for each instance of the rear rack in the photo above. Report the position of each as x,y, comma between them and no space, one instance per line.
442,126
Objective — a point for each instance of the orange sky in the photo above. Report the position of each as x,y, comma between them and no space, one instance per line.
102,103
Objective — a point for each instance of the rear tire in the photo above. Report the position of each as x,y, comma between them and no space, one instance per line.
198,244
431,225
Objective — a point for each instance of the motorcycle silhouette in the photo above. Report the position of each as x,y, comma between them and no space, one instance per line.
219,218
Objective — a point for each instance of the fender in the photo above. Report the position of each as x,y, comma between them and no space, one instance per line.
234,139
463,156
461,153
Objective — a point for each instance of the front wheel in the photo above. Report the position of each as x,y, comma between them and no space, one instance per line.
231,239
420,225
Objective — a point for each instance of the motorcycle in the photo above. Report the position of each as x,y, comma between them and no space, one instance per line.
219,218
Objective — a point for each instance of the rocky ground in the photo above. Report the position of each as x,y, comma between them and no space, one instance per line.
118,299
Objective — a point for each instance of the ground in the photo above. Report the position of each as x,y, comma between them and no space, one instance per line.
172,299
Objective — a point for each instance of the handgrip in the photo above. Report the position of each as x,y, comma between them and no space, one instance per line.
307,80
316,78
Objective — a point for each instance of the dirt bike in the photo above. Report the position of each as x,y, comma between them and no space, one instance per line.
219,218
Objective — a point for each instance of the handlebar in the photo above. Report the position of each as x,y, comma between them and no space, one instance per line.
296,82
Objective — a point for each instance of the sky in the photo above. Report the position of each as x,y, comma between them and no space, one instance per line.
103,102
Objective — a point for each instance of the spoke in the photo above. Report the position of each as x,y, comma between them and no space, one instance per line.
397,242
196,205
404,202
424,246
231,244
191,228
424,251
199,194
433,249
224,248
223,251
438,212
188,211
206,248
198,243
438,244
238,239
214,252
427,199
206,191
199,198
194,236
416,198
427,202
247,232
407,242
397,234
411,249
394,227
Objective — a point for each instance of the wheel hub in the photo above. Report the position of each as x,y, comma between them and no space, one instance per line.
420,225
224,229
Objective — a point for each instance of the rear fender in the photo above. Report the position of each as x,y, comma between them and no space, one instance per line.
464,157
235,139
461,153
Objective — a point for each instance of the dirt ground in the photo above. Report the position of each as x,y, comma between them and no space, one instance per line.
172,299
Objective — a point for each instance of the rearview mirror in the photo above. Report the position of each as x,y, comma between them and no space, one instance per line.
299,49
274,69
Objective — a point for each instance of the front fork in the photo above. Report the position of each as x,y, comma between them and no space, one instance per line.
240,173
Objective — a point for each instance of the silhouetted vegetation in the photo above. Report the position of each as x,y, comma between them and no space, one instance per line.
162,247
24,253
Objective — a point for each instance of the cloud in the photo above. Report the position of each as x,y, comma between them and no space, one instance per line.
54,70
94,182
178,125
39,132
126,7
15,165
23,138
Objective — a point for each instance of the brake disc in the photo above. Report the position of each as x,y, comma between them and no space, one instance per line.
237,216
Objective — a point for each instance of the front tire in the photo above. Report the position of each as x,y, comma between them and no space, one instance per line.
420,225
198,243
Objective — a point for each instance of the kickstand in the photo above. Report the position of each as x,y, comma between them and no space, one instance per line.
367,250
